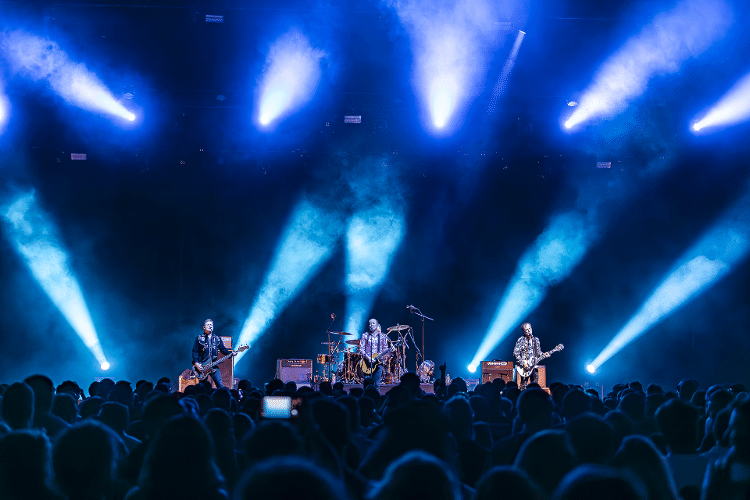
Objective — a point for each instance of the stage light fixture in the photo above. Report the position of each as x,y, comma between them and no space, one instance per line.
685,31
105,366
551,258
38,59
472,368
372,238
591,368
712,257
290,77
307,242
35,238
731,109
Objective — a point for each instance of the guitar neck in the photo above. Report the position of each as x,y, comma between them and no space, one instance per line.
220,360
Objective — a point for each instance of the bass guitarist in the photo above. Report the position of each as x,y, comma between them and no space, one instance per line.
375,347
527,353
206,350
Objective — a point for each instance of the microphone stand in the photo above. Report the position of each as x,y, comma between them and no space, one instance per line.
330,348
415,310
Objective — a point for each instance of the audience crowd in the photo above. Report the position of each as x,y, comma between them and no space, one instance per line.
117,441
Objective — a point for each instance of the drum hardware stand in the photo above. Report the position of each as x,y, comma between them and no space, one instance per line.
416,311
329,364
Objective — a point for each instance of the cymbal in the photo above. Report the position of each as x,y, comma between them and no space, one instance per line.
398,328
352,342
342,333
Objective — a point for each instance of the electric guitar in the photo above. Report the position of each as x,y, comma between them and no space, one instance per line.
526,366
207,369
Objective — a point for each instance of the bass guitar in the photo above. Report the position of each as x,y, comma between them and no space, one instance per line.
208,369
526,366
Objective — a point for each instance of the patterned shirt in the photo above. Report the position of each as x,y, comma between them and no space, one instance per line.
527,350
372,344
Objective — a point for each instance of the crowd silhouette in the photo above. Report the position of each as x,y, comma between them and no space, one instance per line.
118,441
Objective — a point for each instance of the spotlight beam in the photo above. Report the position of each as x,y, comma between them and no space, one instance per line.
452,45
308,240
502,82
551,258
38,58
372,238
34,236
290,77
685,31
732,108
712,257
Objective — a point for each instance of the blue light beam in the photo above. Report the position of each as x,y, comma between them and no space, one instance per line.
732,108
38,59
34,236
5,109
702,265
452,43
502,82
551,258
372,238
673,36
290,77
308,240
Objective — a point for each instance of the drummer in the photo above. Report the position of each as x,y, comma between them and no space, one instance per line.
375,347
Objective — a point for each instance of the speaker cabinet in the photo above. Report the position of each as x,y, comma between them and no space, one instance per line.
294,370
497,369
226,368
542,380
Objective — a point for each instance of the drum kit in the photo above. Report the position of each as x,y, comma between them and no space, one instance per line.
344,363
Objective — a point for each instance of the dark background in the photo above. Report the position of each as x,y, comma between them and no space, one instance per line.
178,220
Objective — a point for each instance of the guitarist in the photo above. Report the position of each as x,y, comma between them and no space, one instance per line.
527,352
206,350
375,347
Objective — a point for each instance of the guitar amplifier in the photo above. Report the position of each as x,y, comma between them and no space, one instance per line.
542,379
294,370
497,369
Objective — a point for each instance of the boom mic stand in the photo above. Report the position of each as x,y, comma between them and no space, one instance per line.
329,365
415,310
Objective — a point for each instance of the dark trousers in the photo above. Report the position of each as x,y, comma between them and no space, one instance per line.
532,378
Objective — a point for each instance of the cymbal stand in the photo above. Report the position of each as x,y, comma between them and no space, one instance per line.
401,368
415,310
330,349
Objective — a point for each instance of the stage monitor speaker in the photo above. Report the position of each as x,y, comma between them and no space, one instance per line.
294,370
226,368
497,369
542,379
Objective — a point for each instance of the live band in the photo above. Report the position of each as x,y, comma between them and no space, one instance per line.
378,355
